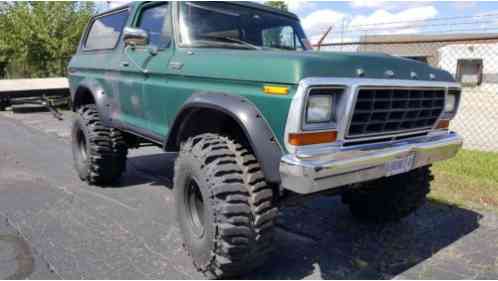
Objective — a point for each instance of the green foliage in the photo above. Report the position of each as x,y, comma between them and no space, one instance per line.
274,37
5,49
281,5
38,38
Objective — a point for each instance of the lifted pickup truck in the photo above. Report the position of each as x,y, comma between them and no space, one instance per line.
257,118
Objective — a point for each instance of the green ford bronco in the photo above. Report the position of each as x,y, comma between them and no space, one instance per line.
257,119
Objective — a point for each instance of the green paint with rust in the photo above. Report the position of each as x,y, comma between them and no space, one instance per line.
151,101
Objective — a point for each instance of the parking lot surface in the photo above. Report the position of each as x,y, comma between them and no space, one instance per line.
54,226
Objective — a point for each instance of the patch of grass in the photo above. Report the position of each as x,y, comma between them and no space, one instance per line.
470,179
472,164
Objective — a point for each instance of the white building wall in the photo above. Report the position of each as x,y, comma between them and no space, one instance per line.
450,54
477,118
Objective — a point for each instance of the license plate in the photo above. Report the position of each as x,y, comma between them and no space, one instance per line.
400,166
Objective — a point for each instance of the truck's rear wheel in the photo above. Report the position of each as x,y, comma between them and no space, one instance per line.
99,152
224,206
392,198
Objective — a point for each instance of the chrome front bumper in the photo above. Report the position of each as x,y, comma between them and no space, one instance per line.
331,167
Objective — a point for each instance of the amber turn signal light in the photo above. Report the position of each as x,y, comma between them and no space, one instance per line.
276,90
443,124
299,139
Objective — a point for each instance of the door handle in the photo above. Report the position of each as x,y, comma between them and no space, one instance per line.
125,64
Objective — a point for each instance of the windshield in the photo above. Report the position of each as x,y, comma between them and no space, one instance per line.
224,25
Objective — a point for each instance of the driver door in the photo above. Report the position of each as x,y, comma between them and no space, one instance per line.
137,97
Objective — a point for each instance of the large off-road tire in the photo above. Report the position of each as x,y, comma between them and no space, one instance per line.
99,152
224,206
392,198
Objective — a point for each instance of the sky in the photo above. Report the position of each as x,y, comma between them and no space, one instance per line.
403,17
366,17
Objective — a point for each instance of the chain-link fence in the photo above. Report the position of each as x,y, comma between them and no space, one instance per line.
472,59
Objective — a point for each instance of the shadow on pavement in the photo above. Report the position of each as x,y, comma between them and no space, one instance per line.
321,239
153,169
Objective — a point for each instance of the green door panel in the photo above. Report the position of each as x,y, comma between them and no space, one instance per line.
130,86
158,92
150,63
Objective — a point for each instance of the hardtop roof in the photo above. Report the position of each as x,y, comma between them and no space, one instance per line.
241,3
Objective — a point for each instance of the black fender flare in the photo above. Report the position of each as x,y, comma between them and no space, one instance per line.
102,100
258,132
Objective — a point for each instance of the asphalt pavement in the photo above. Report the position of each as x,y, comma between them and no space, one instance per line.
54,226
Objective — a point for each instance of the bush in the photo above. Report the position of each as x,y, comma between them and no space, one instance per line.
38,38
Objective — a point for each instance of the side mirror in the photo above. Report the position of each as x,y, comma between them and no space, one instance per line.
135,37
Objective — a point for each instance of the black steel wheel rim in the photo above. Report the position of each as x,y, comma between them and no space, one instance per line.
81,142
195,208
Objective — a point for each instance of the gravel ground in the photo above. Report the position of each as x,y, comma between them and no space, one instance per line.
54,226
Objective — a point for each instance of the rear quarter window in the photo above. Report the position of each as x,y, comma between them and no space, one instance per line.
105,31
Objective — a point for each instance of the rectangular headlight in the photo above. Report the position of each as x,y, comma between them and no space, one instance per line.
451,102
319,108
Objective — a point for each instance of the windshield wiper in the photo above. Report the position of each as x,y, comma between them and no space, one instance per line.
235,40
216,44
242,42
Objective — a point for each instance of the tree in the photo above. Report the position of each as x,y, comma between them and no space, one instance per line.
5,49
40,37
273,37
281,5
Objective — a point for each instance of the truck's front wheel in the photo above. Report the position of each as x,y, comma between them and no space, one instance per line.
224,206
392,198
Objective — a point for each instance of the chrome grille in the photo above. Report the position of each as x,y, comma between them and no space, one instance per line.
390,111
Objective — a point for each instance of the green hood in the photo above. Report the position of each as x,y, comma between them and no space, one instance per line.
290,67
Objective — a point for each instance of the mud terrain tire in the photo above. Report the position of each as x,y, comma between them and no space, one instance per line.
231,231
99,152
392,198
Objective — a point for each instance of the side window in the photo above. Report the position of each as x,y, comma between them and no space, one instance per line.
153,20
105,31
469,72
280,37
